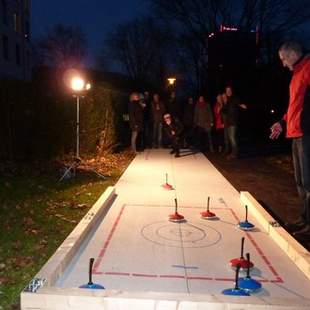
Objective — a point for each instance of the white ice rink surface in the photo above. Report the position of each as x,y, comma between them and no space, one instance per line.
136,248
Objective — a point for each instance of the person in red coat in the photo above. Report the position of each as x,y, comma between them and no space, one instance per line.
297,124
219,124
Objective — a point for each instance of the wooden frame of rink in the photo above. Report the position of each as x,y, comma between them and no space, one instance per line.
51,297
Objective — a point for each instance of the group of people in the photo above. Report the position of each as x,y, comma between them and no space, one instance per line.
152,119
160,123
198,118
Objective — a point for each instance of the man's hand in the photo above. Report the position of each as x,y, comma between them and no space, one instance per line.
276,130
173,132
243,106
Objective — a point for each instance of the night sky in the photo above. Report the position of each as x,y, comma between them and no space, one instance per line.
95,17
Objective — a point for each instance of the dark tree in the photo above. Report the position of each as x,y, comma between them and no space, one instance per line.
62,47
140,47
195,19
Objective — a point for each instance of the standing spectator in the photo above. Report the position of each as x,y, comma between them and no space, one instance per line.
172,106
158,110
147,120
203,119
297,121
219,124
188,121
140,139
135,118
174,129
224,118
231,110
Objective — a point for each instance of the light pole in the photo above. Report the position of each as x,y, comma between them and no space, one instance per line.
79,86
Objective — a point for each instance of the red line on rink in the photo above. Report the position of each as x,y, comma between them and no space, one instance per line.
223,279
279,280
199,278
167,276
171,276
116,273
144,275
102,252
106,244
260,251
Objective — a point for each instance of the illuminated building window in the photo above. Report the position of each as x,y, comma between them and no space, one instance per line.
16,23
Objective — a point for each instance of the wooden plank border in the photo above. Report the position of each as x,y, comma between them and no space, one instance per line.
294,250
77,299
59,261
50,297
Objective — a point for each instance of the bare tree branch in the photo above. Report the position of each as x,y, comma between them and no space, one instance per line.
62,47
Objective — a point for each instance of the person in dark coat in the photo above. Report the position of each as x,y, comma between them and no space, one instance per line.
174,130
147,121
135,118
203,120
158,110
172,106
188,122
231,111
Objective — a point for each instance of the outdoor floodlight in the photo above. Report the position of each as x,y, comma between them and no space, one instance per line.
77,83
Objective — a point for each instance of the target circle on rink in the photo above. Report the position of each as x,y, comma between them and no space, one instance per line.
186,235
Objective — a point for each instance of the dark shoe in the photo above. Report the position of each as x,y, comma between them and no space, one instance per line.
296,225
177,155
172,151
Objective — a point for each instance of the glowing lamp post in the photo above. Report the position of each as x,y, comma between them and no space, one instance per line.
78,85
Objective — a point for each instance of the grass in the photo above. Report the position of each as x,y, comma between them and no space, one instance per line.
37,213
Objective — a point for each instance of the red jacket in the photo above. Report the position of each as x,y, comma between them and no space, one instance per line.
297,116
218,116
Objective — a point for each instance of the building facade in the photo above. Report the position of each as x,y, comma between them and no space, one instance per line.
15,45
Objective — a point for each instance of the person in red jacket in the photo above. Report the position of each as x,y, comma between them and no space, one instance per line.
219,124
297,120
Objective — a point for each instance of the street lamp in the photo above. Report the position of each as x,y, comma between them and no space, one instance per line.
171,81
79,87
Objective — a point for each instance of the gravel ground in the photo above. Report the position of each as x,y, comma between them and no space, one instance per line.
270,179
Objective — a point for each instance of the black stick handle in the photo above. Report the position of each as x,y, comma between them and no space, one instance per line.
246,213
176,205
208,203
242,247
248,269
237,277
91,262
166,178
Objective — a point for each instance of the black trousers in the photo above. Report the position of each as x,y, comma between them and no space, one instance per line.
176,143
